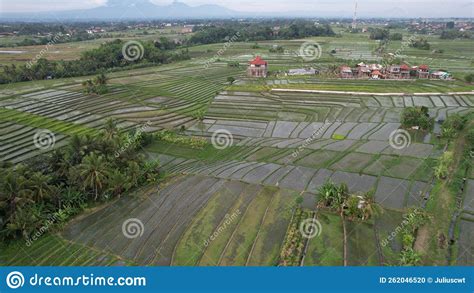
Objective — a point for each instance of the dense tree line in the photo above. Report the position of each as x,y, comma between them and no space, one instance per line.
107,56
379,34
258,32
396,37
90,169
454,34
420,43
110,55
57,39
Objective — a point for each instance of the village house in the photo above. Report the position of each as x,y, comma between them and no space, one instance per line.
257,68
404,71
346,72
376,75
440,75
377,71
373,67
423,71
393,71
363,71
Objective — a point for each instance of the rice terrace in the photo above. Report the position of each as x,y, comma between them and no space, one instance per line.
251,142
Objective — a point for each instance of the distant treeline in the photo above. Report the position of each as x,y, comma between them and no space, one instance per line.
57,38
107,56
454,34
258,32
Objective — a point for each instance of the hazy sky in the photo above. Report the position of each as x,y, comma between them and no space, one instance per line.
394,8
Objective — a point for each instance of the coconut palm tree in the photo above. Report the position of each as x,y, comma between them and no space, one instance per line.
110,129
369,208
94,172
340,204
134,173
118,183
39,186
14,195
76,149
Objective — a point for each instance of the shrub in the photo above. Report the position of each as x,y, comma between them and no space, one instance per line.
442,169
277,49
199,114
420,43
469,78
396,37
191,141
409,257
408,240
455,121
230,80
233,64
417,116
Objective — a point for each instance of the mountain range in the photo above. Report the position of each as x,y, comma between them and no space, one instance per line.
146,10
130,9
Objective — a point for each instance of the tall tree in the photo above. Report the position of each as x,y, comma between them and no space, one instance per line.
94,171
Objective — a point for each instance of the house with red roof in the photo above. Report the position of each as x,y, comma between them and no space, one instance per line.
345,72
423,71
404,71
257,67
376,75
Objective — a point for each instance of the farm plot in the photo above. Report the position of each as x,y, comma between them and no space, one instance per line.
327,248
284,134
18,142
465,255
53,250
163,216
399,167
368,243
362,245
331,104
193,220
392,193
163,98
